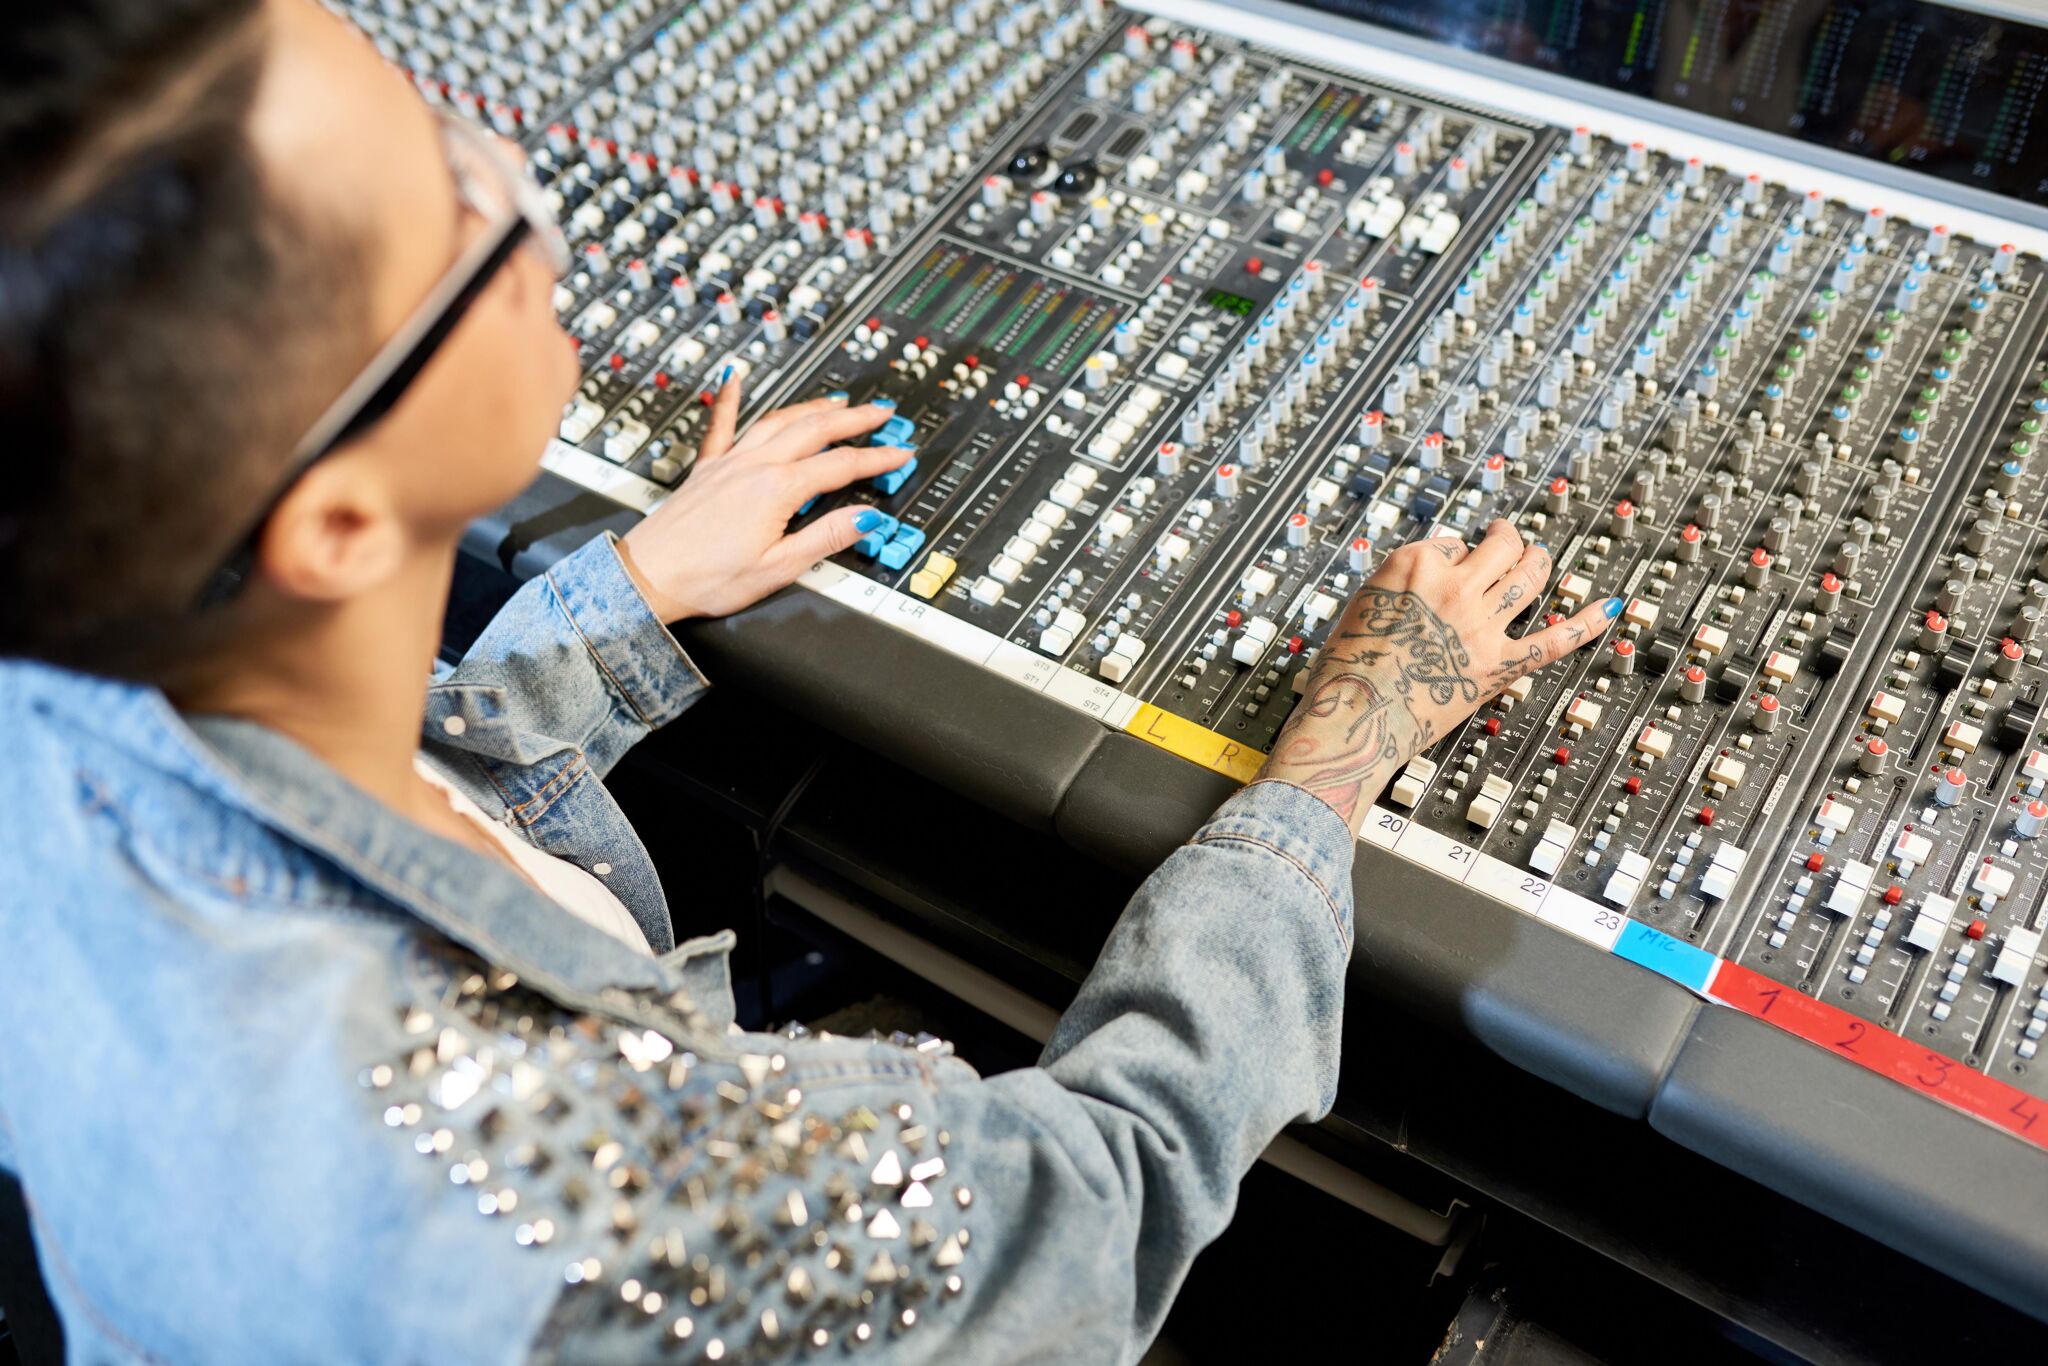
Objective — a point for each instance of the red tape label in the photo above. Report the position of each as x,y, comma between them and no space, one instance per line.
1879,1050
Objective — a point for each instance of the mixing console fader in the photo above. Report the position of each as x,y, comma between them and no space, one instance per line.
1184,334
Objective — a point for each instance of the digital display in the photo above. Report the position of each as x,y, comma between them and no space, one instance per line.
1942,91
1230,303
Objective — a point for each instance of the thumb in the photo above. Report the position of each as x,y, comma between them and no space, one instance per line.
828,536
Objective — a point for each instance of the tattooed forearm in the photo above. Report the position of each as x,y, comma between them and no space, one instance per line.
1341,743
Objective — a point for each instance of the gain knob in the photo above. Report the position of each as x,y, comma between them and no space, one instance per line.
1934,632
1757,573
2027,824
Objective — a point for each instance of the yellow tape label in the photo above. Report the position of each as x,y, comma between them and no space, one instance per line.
1197,744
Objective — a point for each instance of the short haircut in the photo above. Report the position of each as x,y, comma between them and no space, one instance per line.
170,322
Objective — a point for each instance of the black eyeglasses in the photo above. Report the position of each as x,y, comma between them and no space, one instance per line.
498,190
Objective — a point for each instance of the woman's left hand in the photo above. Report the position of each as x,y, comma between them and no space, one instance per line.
718,543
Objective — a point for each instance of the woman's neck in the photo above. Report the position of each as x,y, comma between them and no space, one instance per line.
348,683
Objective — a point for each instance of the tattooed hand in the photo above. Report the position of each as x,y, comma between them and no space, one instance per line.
1420,647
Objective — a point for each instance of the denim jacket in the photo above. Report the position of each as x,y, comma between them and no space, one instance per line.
287,1078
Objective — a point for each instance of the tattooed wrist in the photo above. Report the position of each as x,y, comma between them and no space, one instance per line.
1389,666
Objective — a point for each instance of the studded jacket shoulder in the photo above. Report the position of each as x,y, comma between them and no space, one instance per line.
285,1078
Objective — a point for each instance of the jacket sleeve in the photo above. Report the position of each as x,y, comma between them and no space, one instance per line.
888,1195
1210,1021
579,657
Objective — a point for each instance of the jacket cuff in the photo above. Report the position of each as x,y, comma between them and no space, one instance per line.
624,636
1295,825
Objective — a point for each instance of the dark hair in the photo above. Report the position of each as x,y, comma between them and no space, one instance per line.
168,324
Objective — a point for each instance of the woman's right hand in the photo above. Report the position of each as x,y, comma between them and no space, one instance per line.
1420,647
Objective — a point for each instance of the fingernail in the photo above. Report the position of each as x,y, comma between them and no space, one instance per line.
1542,549
839,396
725,375
868,520
1613,608
888,403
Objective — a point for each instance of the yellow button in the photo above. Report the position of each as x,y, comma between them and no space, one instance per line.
927,581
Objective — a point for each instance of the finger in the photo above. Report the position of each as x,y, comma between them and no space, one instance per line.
725,416
828,536
1451,548
1522,586
1495,554
842,465
766,426
1552,643
813,432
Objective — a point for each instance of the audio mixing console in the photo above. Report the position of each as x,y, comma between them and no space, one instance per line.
1184,334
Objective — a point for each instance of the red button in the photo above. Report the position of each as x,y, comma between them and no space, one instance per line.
618,361
1253,265
1325,176
1493,725
661,379
1563,754
1815,862
1294,644
971,362
1975,929
1894,894
1706,816
1233,618
1633,785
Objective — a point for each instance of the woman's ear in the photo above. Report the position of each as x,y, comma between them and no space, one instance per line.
335,535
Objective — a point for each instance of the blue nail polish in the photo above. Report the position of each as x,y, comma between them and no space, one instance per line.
1613,608
888,403
726,375
839,396
1542,549
869,519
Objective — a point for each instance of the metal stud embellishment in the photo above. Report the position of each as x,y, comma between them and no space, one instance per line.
704,1205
